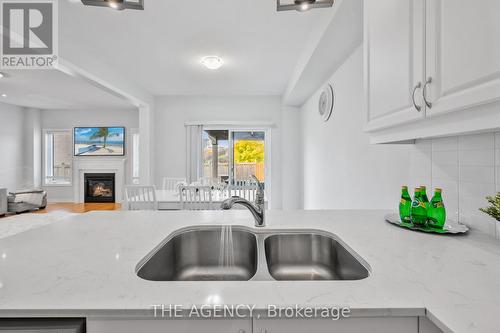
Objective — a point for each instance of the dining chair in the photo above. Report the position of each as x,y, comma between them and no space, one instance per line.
172,184
246,191
140,197
195,198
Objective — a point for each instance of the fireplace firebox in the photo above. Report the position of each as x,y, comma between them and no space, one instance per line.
99,187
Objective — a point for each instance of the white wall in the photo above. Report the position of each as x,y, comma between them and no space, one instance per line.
467,168
341,170
67,119
291,173
12,143
171,113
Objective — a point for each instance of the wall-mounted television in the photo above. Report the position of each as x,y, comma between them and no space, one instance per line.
99,141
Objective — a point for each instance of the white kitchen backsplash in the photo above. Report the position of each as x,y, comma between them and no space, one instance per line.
467,168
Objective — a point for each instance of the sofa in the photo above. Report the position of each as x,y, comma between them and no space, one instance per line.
3,201
26,200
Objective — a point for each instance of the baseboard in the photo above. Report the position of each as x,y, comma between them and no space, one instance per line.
66,200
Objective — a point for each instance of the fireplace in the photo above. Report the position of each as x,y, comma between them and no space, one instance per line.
99,187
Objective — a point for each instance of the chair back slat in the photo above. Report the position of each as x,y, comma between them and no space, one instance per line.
141,197
246,191
195,197
172,184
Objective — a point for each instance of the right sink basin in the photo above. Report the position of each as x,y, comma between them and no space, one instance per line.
310,256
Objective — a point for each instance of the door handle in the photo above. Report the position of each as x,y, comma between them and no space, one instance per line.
424,92
417,107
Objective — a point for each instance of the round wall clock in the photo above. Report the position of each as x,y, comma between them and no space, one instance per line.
326,101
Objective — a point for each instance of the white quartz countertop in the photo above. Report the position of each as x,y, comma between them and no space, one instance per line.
85,265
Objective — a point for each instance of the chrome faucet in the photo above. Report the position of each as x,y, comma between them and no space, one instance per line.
257,209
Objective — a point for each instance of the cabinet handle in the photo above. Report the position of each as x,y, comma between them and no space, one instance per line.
429,104
417,107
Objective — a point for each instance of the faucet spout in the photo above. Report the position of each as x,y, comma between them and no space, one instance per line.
257,209
257,212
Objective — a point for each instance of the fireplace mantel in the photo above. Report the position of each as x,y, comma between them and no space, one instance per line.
98,164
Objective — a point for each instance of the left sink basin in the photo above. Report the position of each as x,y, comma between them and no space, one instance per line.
201,255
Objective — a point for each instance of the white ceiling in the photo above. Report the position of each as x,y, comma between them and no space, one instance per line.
51,89
160,47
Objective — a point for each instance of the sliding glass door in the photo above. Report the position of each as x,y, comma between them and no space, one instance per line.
216,155
232,156
248,148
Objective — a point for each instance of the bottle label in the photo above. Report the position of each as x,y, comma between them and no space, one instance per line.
403,201
418,203
438,204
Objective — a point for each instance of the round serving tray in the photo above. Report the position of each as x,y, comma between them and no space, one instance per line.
450,227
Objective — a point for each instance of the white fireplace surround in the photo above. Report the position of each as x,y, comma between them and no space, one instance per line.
98,165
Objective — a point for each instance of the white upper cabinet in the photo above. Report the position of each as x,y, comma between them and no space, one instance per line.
394,58
462,54
432,68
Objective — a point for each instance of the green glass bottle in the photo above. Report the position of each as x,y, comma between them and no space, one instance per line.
405,205
423,191
418,209
437,211
425,200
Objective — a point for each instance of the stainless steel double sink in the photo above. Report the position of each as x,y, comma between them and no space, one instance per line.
198,254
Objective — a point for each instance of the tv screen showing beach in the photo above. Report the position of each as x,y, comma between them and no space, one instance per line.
99,141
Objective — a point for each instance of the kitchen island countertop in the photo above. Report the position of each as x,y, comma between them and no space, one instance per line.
85,266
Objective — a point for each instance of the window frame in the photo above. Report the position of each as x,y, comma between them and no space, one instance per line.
248,128
134,156
45,133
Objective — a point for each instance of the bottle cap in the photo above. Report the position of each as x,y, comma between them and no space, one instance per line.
438,190
405,187
417,189
423,187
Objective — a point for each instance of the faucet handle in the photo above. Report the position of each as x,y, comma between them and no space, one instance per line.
259,198
259,184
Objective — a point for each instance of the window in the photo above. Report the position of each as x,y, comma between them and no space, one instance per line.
233,156
58,157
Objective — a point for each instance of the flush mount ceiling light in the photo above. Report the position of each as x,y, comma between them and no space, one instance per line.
116,4
212,62
303,5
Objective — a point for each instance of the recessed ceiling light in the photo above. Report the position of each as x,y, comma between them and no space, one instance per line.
4,95
116,4
212,62
303,5
2,75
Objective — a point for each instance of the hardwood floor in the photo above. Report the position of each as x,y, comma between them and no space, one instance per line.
78,208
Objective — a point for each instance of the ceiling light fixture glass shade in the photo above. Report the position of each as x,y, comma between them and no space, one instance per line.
212,62
303,5
116,4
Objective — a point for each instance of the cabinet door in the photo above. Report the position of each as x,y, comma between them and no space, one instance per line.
394,61
42,325
427,326
462,54
163,326
347,325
